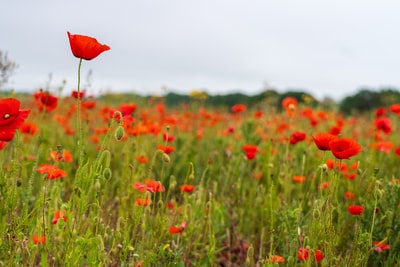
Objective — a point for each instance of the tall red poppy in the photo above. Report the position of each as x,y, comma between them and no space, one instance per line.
86,47
344,148
11,118
322,140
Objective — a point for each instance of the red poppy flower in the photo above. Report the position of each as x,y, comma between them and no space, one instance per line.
381,246
188,188
150,185
356,209
177,229
238,108
289,102
383,124
302,254
276,258
11,118
168,138
318,256
166,149
395,108
75,94
344,148
297,137
322,140
380,112
29,128
47,101
65,156
52,172
250,150
58,215
142,159
349,195
127,109
38,239
299,179
85,47
142,202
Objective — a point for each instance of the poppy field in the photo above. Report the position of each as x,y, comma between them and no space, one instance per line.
103,181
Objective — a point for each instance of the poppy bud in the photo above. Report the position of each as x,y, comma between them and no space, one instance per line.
119,133
97,185
166,158
107,173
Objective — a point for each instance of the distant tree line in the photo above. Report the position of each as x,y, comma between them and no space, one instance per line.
362,101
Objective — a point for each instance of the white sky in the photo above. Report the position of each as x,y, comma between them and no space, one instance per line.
327,48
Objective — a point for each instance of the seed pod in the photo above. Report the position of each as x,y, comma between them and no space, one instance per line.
107,174
119,133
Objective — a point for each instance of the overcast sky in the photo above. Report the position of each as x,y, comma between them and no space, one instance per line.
327,48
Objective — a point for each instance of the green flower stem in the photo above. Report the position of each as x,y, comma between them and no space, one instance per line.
79,118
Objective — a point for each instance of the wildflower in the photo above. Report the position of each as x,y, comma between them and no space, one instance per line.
395,108
188,188
302,254
324,185
344,148
127,109
75,94
168,138
85,47
52,172
257,175
11,118
238,108
380,112
381,246
177,229
142,159
322,140
47,101
289,102
318,256
64,155
335,130
154,186
58,215
142,202
165,149
299,179
276,258
297,137
250,150
397,151
150,186
356,210
29,128
38,239
383,124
